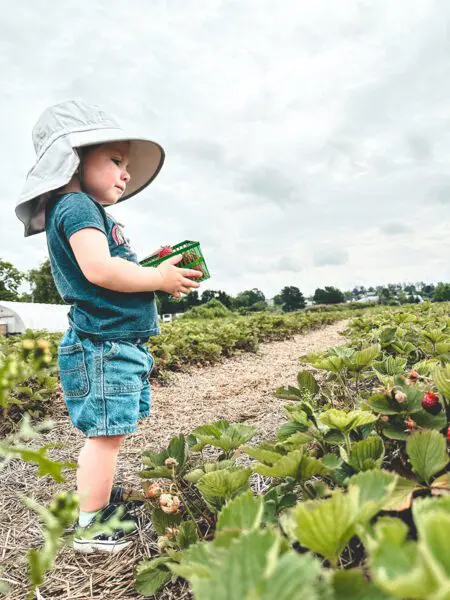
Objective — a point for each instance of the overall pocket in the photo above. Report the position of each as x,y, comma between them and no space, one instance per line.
125,367
72,370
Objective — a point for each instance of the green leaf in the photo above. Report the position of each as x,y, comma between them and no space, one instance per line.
46,466
429,421
307,381
294,440
224,483
366,454
161,520
251,568
427,451
423,507
297,415
394,433
401,496
441,376
362,358
375,488
324,526
243,513
288,393
225,435
152,575
387,335
296,577
351,585
187,534
286,466
397,565
346,421
156,473
194,475
381,403
390,366
177,450
310,467
333,364
265,456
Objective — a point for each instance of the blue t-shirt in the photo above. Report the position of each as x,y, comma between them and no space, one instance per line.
96,312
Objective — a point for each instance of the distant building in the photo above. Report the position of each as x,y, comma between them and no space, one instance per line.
368,298
15,317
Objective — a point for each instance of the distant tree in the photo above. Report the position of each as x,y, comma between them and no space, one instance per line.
410,288
292,299
192,299
43,287
208,295
10,280
329,295
277,300
167,304
225,299
442,292
427,290
258,306
247,298
384,295
220,295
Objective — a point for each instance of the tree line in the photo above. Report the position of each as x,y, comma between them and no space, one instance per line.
43,290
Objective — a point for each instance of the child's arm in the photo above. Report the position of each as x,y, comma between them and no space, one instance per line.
91,251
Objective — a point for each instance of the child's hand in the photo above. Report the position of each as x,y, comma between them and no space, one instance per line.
176,281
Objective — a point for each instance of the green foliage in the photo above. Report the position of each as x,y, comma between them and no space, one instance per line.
219,486
427,451
10,280
43,287
253,565
413,569
329,295
291,299
214,309
222,434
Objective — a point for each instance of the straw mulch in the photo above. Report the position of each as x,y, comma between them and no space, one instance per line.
239,389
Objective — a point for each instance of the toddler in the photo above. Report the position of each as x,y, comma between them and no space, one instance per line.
85,163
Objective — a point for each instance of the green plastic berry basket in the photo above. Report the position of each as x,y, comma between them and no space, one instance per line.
192,258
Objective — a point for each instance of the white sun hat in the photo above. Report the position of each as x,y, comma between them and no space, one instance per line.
60,130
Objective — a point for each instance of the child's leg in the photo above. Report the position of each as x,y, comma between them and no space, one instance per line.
96,469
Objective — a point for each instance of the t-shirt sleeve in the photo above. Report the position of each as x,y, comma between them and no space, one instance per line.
78,211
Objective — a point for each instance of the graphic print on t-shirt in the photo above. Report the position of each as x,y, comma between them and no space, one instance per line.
117,235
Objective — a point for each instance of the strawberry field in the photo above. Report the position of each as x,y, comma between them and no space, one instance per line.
348,498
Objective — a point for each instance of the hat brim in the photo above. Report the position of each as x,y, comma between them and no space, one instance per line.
146,157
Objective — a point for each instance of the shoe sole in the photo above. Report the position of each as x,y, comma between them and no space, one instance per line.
112,547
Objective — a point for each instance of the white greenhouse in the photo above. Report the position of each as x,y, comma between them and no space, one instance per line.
15,317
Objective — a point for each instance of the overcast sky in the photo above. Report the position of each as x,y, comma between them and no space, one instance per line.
307,142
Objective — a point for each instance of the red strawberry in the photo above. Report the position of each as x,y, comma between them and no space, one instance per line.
448,434
414,376
165,251
430,402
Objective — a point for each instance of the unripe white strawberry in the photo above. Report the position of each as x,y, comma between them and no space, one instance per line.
401,397
169,504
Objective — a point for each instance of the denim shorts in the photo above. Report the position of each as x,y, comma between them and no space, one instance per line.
105,384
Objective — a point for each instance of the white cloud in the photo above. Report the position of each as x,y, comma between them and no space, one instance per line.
299,140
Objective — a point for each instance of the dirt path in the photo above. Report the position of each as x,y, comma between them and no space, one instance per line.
239,389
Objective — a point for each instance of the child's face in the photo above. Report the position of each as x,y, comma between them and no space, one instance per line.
104,172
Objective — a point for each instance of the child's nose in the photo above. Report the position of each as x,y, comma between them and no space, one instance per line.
126,176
